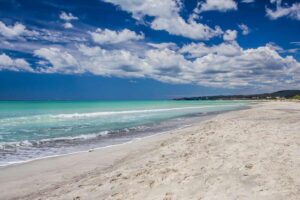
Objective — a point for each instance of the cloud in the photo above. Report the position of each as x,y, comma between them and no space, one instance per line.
67,25
67,16
197,50
224,65
230,35
296,43
12,31
166,17
218,5
15,30
106,36
120,63
274,47
245,29
142,8
193,30
248,1
262,66
279,49
164,45
8,63
293,50
125,53
61,61
292,11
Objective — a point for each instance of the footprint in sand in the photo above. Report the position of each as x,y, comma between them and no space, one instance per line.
249,166
168,196
151,184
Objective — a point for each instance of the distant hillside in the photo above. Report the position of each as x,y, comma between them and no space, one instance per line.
275,95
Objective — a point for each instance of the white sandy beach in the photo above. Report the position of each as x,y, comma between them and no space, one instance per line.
246,154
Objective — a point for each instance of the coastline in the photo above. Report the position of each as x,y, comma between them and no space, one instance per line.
226,156
89,150
152,129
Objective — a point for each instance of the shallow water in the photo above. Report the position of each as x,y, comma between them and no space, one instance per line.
34,129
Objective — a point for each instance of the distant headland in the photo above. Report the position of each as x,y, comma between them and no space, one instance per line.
283,94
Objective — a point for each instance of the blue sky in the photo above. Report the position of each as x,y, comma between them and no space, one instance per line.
145,49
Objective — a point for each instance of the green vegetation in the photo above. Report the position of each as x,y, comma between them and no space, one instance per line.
280,95
296,97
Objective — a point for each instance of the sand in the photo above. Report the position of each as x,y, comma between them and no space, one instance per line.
246,154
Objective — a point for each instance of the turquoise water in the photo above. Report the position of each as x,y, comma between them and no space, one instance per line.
32,129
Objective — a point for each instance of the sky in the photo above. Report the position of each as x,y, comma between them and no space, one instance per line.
147,49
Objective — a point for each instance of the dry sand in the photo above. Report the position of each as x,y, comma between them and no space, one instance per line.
246,154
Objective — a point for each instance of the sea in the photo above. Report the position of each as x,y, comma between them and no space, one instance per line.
32,130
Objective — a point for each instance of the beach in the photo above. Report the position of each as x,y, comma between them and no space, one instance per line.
252,153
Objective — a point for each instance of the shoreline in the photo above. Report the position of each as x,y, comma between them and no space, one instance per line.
244,154
193,118
89,150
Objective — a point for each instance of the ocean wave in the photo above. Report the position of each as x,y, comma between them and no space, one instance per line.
37,143
96,114
8,146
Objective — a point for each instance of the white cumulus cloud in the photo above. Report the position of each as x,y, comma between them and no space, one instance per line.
167,18
218,5
193,30
164,45
222,65
106,36
230,35
14,31
197,50
67,25
61,61
291,11
244,28
18,64
67,16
